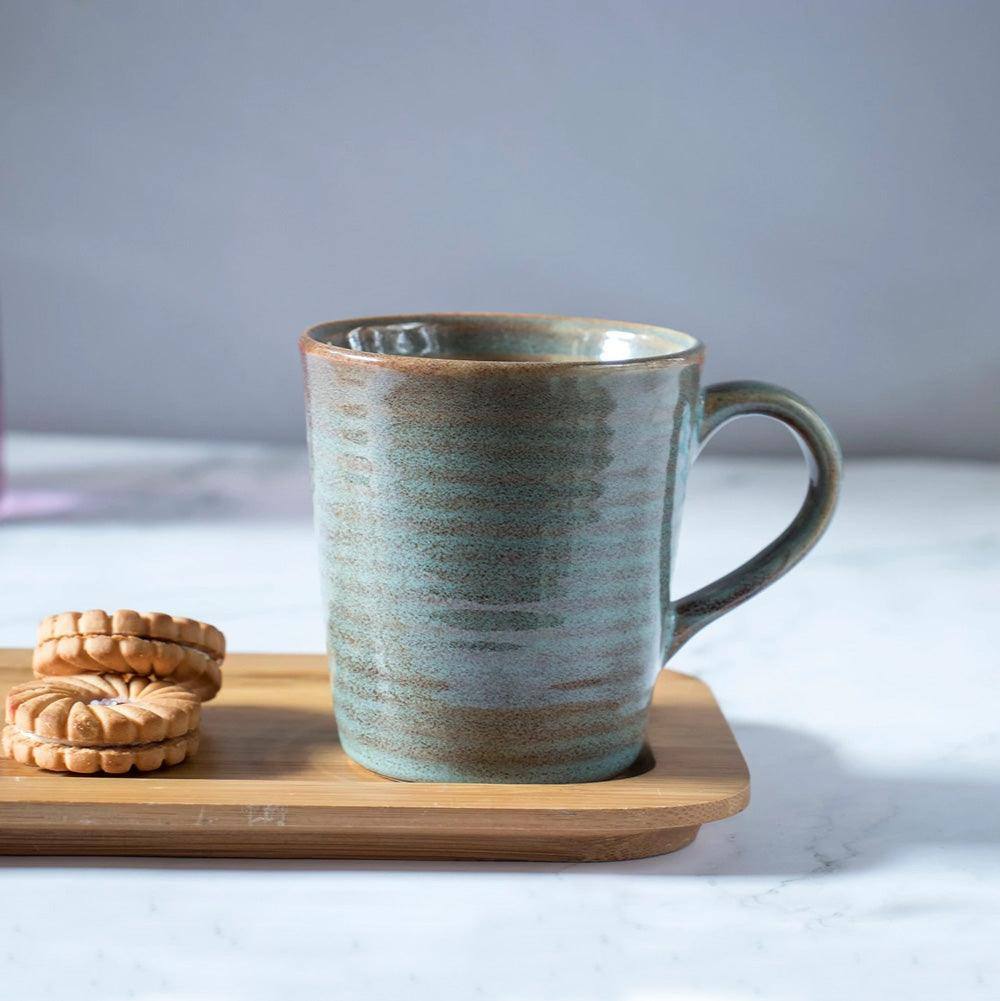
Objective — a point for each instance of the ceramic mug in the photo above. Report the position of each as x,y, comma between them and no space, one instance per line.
497,499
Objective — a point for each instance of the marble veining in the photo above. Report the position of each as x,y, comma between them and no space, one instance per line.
866,867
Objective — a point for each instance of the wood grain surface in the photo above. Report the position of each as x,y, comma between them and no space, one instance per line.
271,781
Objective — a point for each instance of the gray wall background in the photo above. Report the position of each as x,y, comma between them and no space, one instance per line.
811,188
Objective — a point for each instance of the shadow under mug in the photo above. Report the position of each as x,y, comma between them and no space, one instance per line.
497,499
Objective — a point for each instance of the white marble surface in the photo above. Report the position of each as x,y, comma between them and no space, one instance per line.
863,689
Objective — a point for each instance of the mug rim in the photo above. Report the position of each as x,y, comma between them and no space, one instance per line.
309,343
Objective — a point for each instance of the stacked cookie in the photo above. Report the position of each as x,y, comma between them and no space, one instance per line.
113,692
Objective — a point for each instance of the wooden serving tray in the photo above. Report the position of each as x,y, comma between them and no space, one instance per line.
271,781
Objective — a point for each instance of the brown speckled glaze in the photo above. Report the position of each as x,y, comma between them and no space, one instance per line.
497,513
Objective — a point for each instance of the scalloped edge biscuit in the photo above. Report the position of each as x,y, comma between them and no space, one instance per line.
146,625
128,654
102,710
30,750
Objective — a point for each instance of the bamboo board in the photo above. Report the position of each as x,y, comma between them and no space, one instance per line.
271,781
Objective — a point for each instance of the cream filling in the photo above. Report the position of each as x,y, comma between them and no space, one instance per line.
34,738
213,654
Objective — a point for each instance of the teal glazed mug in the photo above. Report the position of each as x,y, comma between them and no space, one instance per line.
497,500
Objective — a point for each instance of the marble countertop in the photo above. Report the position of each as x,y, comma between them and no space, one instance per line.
862,688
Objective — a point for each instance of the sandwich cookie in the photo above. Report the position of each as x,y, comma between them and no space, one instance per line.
150,644
100,723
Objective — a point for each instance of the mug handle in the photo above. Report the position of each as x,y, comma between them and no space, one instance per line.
722,403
